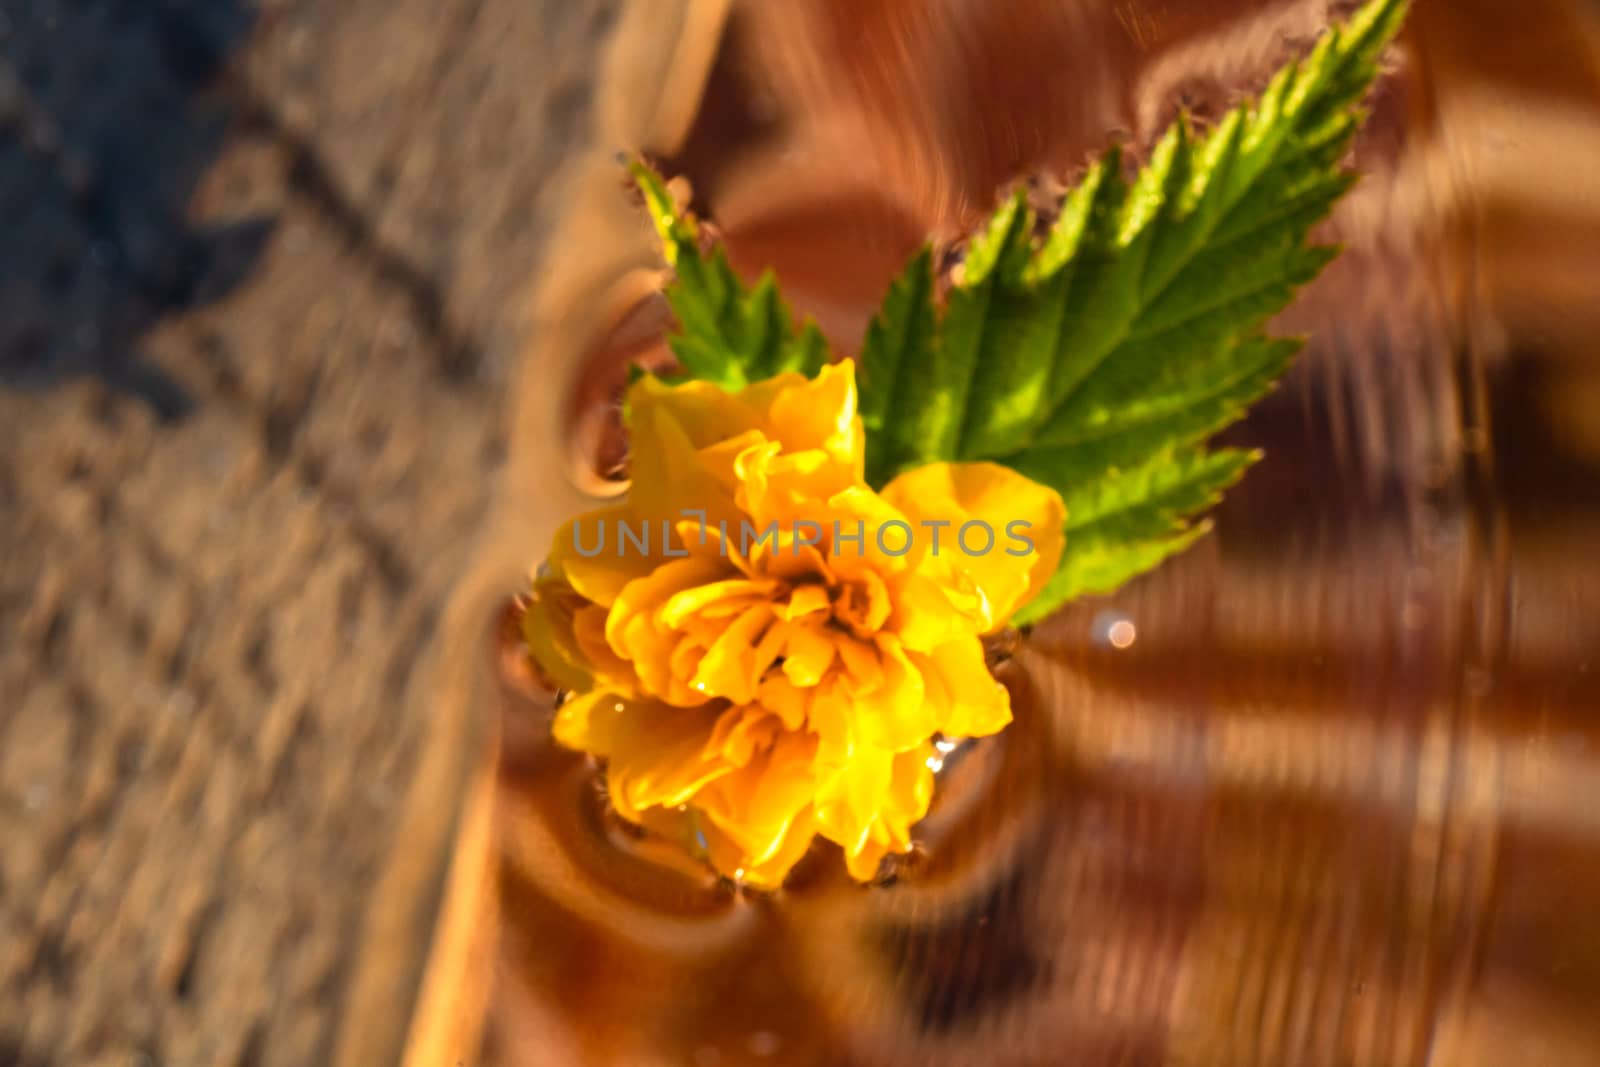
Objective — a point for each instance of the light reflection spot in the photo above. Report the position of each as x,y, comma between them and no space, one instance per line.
1121,634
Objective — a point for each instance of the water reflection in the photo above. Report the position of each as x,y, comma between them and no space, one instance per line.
1322,791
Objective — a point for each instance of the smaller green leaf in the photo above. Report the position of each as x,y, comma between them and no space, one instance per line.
728,334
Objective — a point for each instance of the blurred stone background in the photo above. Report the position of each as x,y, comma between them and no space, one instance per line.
263,265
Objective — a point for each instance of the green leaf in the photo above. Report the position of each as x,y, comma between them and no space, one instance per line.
1099,358
1138,516
728,334
902,330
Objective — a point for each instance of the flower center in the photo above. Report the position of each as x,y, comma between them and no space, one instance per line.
853,608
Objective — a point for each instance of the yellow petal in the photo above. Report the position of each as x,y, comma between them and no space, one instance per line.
970,703
587,555
805,600
657,753
830,714
667,471
927,613
591,722
660,656
864,604
808,655
721,461
737,593
1024,519
821,413
730,859
755,805
631,629
610,670
686,439
785,699
548,627
707,414
905,802
706,541
727,669
850,795
788,487
658,756
740,732
864,860
863,673
887,542
793,559
910,793
686,655
895,715
768,649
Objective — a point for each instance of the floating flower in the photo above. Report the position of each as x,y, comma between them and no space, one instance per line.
762,646
764,640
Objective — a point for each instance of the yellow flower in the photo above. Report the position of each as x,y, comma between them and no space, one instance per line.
779,669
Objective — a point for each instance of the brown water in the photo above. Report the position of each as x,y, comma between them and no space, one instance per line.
1338,801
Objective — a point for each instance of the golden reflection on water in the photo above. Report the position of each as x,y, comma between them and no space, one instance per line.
1326,789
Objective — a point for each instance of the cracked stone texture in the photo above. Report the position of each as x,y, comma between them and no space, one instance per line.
261,274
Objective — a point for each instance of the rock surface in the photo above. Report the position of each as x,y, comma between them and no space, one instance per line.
262,271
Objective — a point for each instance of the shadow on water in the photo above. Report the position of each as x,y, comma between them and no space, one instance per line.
106,125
